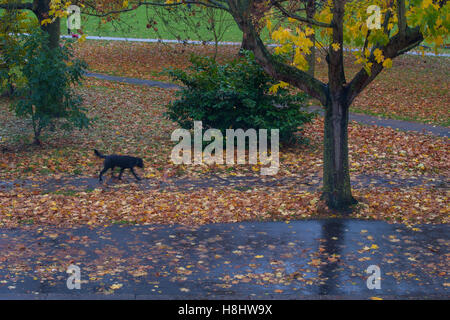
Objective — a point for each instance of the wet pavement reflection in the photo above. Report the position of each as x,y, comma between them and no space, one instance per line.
269,260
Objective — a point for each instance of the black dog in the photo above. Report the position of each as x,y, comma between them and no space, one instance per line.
124,162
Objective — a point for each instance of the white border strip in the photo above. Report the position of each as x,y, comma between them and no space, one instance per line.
220,43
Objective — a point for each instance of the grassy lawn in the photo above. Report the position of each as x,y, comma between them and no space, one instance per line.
134,25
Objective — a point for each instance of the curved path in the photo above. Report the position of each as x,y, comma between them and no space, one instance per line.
241,183
360,118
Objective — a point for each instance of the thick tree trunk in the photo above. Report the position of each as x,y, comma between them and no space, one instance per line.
54,31
41,10
336,177
245,45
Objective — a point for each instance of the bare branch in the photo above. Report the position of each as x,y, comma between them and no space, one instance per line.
209,4
288,14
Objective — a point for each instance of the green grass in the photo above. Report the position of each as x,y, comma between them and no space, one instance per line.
134,25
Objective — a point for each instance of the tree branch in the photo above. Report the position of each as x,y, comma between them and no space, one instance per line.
288,14
396,46
210,4
240,10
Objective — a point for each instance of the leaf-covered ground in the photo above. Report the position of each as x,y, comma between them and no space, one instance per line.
415,89
130,120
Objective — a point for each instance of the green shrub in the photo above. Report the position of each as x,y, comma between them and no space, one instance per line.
47,95
235,95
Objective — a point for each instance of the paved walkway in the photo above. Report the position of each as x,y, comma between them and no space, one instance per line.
310,183
299,260
360,118
149,83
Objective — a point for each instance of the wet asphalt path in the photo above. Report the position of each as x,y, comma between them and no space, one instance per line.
313,259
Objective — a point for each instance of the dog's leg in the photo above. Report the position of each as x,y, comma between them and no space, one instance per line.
134,174
101,174
121,172
112,172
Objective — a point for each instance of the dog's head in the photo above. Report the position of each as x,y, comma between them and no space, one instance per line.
140,163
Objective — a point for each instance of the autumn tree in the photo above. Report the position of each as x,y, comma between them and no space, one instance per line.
398,27
403,25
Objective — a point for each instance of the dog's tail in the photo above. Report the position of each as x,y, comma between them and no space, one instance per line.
98,154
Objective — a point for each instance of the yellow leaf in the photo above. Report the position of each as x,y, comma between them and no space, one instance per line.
426,3
82,38
336,46
387,63
274,88
46,21
378,55
116,286
309,31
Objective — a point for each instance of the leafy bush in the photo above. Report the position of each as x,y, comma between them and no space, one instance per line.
47,93
235,95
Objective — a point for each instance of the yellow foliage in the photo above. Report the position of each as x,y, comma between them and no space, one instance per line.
274,88
378,55
387,63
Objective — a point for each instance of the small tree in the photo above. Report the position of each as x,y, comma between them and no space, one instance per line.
47,94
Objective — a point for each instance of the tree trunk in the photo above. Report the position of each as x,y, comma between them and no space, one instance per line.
245,45
41,10
336,177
